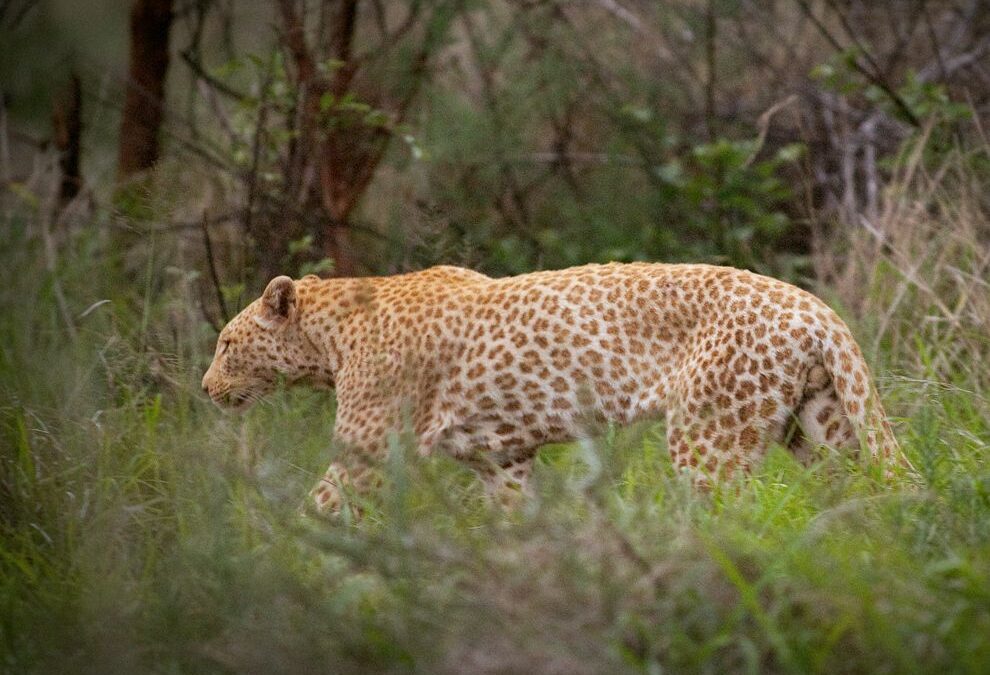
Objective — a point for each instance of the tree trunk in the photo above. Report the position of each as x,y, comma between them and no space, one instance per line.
312,151
67,134
330,166
151,21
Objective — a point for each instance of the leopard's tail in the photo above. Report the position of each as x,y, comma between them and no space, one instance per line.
857,395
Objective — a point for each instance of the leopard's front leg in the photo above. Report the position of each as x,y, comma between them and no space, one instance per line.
360,432
333,490
354,472
506,478
376,397
327,495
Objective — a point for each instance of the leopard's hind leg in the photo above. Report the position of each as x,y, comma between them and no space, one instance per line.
506,478
820,419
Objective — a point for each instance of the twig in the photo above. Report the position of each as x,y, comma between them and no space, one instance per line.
945,67
195,15
209,95
199,149
252,177
389,40
204,76
521,219
764,124
874,76
558,157
663,53
294,38
174,226
381,23
614,99
211,263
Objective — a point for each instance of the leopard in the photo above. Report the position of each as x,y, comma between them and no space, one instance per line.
487,370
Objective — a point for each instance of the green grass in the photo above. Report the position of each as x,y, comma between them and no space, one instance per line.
145,531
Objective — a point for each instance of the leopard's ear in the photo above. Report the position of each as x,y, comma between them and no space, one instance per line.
278,301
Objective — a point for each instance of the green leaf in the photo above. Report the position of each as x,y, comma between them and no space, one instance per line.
301,245
324,266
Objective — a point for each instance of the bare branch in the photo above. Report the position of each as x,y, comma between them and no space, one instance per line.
211,265
202,74
872,74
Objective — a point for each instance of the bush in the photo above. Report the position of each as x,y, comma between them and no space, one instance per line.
143,530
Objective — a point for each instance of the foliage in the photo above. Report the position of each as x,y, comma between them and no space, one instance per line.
143,530
717,203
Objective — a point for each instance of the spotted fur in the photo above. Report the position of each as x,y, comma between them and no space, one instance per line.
487,370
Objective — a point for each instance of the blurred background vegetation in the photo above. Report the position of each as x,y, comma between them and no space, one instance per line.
160,160
374,136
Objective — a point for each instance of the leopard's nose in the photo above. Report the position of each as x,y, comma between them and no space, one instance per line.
206,387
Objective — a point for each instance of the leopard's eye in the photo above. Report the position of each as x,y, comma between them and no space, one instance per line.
224,344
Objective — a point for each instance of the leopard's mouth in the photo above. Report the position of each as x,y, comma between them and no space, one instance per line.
235,401
240,400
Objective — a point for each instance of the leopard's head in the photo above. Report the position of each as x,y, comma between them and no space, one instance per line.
259,347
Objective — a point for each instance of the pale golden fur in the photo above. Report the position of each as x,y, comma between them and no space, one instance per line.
487,370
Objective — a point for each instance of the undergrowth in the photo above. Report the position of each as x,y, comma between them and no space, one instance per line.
145,531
